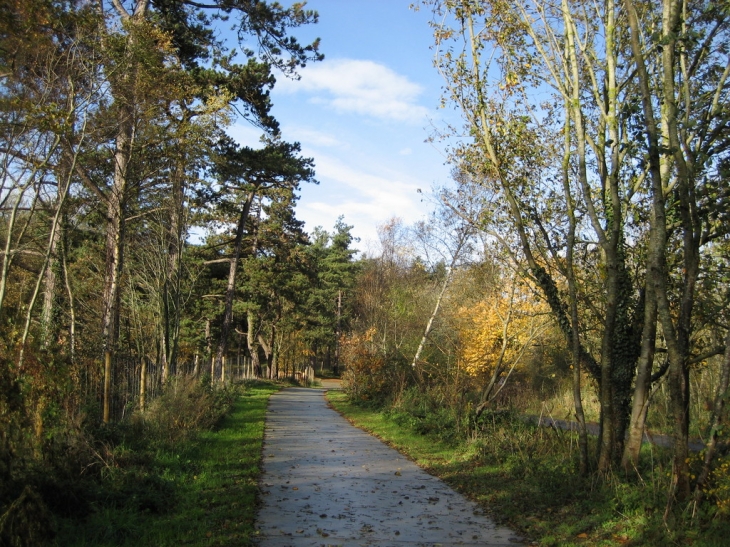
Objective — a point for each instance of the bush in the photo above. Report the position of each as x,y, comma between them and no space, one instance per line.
186,406
26,522
367,376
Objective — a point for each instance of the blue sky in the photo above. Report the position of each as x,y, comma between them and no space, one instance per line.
364,114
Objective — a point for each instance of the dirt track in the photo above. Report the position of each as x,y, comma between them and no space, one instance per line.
327,483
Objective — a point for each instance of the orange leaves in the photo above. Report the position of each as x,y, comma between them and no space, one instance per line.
366,376
496,331
482,336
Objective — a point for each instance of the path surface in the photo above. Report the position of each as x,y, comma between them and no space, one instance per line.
327,483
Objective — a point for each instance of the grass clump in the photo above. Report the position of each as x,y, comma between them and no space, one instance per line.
183,473
526,477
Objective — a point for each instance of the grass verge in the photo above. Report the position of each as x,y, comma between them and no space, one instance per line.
525,478
201,491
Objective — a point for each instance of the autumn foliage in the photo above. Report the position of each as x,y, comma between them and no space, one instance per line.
496,331
367,376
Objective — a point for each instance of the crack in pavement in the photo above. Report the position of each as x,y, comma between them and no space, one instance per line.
326,483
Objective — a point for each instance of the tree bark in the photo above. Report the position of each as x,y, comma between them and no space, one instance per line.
49,326
463,237
251,342
71,303
575,345
116,208
50,253
677,379
642,386
231,287
143,385
171,285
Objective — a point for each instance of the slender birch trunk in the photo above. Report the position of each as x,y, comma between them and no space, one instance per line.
49,255
462,241
71,303
575,345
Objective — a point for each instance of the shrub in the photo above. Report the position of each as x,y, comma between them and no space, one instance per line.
367,376
187,405
26,521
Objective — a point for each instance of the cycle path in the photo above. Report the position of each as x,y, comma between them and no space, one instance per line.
327,483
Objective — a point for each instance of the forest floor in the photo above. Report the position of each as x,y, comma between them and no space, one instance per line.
325,482
658,439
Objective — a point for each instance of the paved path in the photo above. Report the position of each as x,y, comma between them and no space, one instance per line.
327,483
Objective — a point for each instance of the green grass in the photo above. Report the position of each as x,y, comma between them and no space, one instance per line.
201,492
525,478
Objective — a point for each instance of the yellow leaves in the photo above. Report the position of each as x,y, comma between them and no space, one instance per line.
481,336
511,80
496,331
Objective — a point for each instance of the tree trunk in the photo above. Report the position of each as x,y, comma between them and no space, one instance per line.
678,342
338,334
434,313
163,330
575,345
252,344
49,323
209,346
143,385
50,254
10,229
642,388
115,252
231,288
171,288
71,304
678,387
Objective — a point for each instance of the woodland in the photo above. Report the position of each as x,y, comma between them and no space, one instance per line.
575,267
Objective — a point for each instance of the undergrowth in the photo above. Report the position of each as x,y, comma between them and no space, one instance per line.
182,472
527,477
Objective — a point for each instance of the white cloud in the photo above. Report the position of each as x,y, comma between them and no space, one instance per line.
366,197
311,137
361,87
387,194
406,152
246,134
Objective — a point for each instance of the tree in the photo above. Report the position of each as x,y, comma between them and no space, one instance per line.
275,279
243,175
333,277
617,188
185,29
452,246
685,136
497,332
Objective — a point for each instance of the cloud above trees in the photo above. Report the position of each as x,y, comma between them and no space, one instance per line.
361,87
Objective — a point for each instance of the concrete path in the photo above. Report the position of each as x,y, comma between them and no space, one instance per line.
327,483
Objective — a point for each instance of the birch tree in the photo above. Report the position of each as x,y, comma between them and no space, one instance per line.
634,173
